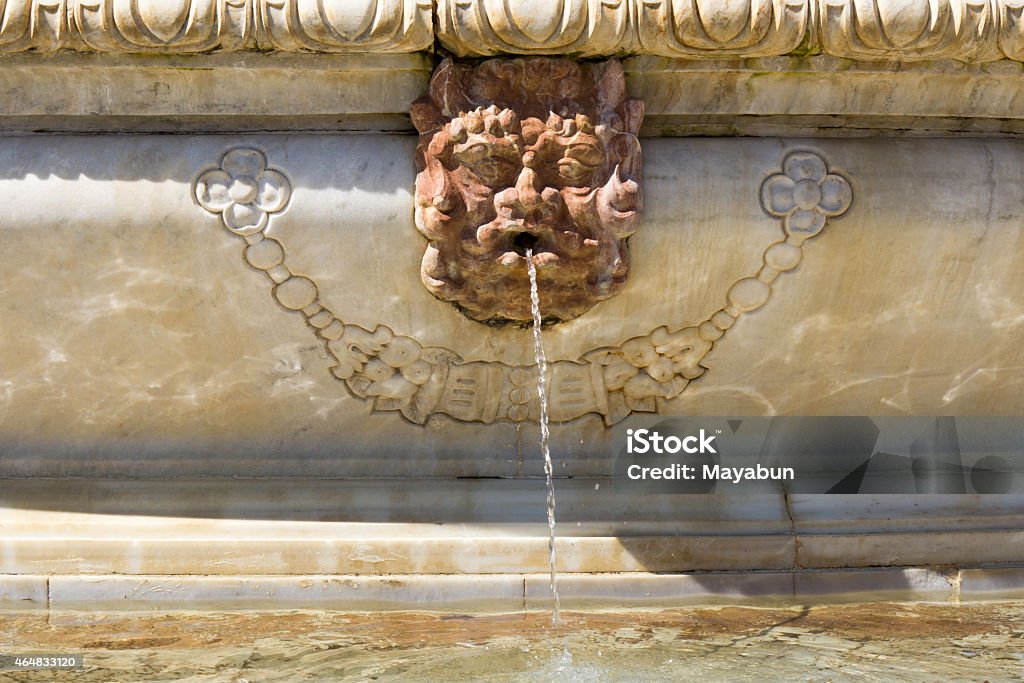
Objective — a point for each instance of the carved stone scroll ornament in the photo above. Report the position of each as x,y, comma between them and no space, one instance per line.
346,25
188,26
583,28
536,153
906,30
910,30
711,28
398,373
589,28
32,25
160,26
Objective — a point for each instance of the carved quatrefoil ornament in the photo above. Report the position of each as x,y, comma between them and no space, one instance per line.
398,373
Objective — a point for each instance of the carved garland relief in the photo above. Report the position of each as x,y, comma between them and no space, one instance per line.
398,373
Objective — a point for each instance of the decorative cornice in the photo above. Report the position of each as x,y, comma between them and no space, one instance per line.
593,28
586,28
345,25
899,30
188,26
913,30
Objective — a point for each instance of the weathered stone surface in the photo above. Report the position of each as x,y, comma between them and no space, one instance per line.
585,28
826,96
911,30
398,374
536,154
514,592
157,26
23,592
992,583
909,583
230,529
601,591
778,96
209,93
167,346
196,307
345,25
710,28
183,26
346,592
905,30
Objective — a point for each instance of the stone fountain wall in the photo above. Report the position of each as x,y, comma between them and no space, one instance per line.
167,377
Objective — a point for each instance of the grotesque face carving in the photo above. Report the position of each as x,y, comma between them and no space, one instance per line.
533,153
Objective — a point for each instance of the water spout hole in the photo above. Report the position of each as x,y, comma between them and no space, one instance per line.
524,242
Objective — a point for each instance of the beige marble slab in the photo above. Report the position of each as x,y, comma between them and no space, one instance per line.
515,592
908,549
140,344
23,592
351,593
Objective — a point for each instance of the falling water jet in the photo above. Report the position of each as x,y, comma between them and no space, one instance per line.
542,371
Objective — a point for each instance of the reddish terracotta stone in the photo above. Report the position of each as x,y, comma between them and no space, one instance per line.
537,153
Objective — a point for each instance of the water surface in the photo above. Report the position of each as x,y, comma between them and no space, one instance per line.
876,642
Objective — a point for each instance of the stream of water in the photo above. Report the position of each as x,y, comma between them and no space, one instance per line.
542,371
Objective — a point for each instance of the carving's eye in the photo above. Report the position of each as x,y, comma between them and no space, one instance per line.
572,169
548,212
579,162
493,164
472,153
589,155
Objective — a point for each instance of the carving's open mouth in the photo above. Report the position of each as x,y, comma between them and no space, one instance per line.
522,242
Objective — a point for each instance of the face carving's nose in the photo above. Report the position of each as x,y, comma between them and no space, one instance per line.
528,188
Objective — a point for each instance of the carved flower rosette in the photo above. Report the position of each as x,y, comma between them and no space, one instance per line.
243,190
805,194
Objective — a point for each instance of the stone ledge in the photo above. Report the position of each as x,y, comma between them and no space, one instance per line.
477,527
245,92
266,552
209,93
825,96
510,592
23,592
992,583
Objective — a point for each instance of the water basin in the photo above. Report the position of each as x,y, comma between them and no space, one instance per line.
844,642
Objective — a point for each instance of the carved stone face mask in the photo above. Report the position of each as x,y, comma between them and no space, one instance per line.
533,153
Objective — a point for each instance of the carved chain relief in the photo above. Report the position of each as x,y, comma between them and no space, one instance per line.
398,373
535,153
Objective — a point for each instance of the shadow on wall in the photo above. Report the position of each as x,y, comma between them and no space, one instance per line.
378,163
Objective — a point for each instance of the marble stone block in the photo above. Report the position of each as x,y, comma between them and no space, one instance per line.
143,338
